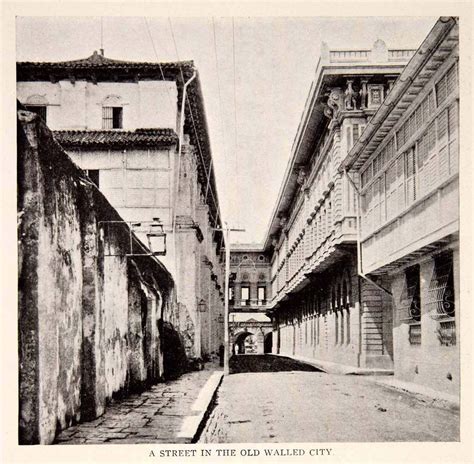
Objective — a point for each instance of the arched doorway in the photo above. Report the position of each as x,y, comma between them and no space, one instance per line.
245,343
268,342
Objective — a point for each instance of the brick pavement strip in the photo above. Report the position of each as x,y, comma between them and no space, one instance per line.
156,416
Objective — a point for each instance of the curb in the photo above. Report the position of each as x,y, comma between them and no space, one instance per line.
335,368
193,425
427,395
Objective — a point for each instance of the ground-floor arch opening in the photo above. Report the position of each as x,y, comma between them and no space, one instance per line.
245,343
268,342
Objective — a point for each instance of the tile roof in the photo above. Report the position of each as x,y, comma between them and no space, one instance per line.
98,61
115,138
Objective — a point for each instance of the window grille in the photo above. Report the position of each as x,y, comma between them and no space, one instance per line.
441,291
447,333
414,334
410,297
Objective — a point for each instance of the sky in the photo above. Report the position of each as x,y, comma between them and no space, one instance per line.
275,61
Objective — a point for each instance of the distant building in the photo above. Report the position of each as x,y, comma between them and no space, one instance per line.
250,329
322,307
122,122
407,163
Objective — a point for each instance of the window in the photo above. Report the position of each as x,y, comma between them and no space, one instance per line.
441,290
112,117
409,304
93,176
40,110
410,178
261,295
245,295
447,85
410,297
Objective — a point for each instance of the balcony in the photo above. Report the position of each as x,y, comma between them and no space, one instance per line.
246,305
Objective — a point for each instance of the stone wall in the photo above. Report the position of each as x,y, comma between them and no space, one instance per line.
89,316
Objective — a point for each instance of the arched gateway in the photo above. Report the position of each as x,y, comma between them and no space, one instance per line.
250,335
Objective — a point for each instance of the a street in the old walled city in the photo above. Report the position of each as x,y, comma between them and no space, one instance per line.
275,399
269,398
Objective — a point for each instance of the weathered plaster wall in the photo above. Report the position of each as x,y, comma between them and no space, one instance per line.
429,363
78,105
88,316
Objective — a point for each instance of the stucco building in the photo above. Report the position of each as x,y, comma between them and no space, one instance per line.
139,130
250,329
406,167
322,306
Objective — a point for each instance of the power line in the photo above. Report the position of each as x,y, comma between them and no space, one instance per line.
208,173
235,113
159,64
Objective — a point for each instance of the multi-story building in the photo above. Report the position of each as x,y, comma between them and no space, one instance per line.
140,132
407,163
250,329
322,306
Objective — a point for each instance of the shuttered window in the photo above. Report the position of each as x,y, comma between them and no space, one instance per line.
410,178
112,117
447,84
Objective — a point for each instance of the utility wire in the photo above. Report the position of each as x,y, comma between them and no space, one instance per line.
221,125
235,114
194,127
159,64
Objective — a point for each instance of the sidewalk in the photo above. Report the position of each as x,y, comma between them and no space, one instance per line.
428,395
170,412
385,378
336,368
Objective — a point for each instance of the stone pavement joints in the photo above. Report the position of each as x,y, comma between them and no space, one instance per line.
154,416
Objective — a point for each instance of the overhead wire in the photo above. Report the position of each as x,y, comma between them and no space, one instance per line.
236,177
159,64
221,125
218,216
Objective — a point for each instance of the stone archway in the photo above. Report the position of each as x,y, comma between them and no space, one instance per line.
240,343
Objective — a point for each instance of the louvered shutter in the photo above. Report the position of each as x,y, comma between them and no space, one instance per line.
453,124
107,117
400,184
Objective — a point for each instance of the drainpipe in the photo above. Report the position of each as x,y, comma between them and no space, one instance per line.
359,264
176,190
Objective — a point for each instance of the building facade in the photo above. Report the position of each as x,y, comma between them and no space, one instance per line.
406,166
322,307
250,329
139,130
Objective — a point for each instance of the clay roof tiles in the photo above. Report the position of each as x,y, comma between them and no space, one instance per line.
115,138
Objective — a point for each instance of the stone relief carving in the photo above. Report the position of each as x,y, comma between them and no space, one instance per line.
349,98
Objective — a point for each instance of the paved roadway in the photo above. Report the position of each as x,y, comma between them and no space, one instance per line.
274,399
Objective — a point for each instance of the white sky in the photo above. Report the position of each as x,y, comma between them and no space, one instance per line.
275,62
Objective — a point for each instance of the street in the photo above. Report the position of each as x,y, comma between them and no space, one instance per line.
295,403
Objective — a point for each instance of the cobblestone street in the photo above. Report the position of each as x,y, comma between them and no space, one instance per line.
155,416
293,404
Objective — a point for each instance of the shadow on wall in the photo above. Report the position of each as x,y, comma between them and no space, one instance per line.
174,356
